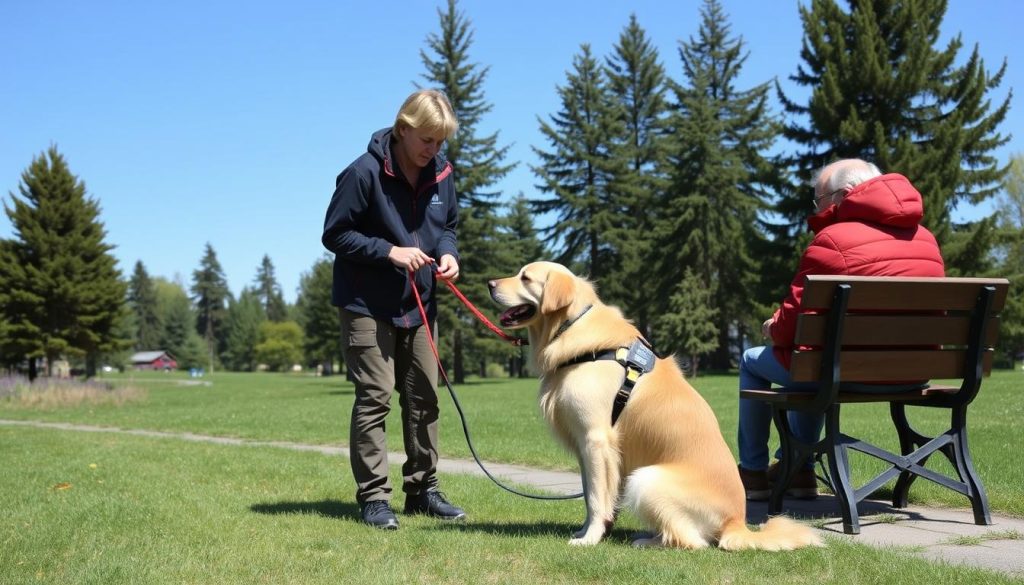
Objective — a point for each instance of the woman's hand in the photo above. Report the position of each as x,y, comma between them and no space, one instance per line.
448,268
409,258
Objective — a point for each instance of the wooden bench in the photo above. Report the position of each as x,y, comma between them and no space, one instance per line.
885,329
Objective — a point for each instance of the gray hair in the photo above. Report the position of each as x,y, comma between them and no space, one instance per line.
848,175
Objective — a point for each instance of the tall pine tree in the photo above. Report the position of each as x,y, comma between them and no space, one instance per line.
881,90
711,210
65,295
269,291
478,164
637,82
142,302
210,295
583,172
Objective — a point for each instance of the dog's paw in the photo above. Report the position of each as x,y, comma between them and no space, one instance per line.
588,536
585,541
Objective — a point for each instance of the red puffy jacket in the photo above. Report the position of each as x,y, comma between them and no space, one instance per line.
874,231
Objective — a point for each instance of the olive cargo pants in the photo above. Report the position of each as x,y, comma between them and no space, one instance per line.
383,358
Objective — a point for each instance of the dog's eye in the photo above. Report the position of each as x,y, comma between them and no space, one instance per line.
524,278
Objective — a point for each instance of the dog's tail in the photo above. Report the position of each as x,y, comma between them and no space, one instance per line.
777,533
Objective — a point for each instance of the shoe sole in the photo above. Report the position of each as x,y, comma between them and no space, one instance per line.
439,517
758,495
389,526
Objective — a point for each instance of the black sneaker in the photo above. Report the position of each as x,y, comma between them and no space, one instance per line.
378,514
433,503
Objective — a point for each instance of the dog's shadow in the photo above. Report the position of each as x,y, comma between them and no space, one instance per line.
325,508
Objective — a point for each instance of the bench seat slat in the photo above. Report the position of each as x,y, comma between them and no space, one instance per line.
848,397
892,330
887,365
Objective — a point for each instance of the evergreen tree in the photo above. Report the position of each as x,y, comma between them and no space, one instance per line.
523,247
689,326
64,293
1010,257
177,318
142,302
582,173
881,90
318,317
637,82
710,219
269,291
210,294
244,318
478,164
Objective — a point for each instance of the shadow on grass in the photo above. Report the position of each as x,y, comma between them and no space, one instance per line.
554,529
326,508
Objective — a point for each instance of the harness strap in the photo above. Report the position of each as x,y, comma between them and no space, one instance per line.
637,359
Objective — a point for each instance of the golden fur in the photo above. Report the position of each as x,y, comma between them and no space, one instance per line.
665,459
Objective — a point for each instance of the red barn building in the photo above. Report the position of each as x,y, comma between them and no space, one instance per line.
154,360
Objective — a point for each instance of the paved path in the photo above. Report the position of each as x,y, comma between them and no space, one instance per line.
943,534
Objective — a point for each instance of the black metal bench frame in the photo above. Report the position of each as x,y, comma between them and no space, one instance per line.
955,339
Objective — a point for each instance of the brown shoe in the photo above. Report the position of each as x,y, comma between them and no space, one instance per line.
803,486
755,483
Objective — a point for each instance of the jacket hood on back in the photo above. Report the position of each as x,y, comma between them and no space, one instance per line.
380,147
888,200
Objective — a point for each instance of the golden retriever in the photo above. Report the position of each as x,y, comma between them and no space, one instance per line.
665,458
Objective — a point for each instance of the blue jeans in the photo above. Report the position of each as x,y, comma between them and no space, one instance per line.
758,371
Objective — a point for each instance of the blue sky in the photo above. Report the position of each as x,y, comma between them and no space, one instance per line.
194,122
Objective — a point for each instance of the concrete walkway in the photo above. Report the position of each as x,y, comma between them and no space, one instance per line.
944,534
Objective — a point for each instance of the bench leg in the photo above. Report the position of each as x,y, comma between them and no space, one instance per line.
965,468
910,440
839,468
781,419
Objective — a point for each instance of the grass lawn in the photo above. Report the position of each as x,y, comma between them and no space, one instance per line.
109,508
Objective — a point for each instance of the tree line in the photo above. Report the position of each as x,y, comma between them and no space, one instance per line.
682,195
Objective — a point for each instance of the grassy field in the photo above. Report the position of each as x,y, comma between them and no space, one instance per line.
113,508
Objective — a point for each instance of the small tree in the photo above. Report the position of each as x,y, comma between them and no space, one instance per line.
318,317
280,346
689,326
245,316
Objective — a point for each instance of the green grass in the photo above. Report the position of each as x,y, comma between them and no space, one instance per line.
146,510
161,510
506,426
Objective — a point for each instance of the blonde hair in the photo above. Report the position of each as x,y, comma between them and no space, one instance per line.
429,110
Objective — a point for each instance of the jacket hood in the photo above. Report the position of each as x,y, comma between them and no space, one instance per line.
380,147
888,200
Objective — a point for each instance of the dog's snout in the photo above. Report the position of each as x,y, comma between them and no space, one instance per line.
492,284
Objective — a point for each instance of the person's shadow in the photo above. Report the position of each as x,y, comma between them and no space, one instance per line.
326,508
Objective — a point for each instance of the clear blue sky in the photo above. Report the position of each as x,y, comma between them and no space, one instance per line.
227,122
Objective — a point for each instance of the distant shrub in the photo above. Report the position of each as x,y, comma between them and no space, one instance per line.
53,393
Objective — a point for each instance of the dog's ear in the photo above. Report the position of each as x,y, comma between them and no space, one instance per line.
559,291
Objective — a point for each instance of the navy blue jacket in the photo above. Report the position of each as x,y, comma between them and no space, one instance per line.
374,209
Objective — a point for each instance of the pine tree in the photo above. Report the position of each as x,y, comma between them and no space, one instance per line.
710,219
582,173
637,82
210,294
65,295
1010,255
242,326
318,317
881,90
142,301
478,164
689,326
269,291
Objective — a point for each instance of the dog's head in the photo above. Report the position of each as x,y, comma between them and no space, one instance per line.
538,291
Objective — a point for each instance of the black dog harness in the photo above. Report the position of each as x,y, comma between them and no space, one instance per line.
637,359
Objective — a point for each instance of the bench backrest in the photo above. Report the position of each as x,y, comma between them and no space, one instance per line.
897,328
